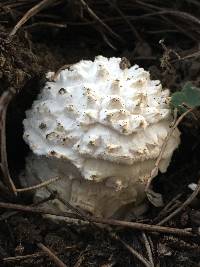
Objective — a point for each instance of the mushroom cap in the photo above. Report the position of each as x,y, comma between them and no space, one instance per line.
98,115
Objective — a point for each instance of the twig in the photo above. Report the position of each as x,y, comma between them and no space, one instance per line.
148,248
80,259
48,24
195,54
107,41
184,15
169,204
55,75
38,210
6,98
164,11
77,211
8,214
91,12
24,257
181,14
80,213
51,255
73,221
30,13
132,225
31,256
4,101
34,187
155,169
45,24
134,31
140,257
167,207
184,205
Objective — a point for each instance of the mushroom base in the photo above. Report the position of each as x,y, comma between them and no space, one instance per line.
112,197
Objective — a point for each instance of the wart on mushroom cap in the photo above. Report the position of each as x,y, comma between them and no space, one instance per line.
100,127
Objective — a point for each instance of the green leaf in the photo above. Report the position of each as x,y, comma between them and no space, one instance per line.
189,95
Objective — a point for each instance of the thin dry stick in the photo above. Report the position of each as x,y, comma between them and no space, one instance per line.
177,13
48,24
91,12
134,31
51,255
34,187
8,214
141,226
80,259
132,225
24,257
80,213
155,169
170,205
150,7
77,211
195,54
184,15
174,206
107,41
140,257
38,210
148,248
4,101
5,98
55,75
184,205
30,13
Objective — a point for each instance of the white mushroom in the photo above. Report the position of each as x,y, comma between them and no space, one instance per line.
99,127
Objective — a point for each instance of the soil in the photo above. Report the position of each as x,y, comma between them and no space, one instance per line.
44,44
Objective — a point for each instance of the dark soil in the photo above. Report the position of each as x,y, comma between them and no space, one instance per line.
44,44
